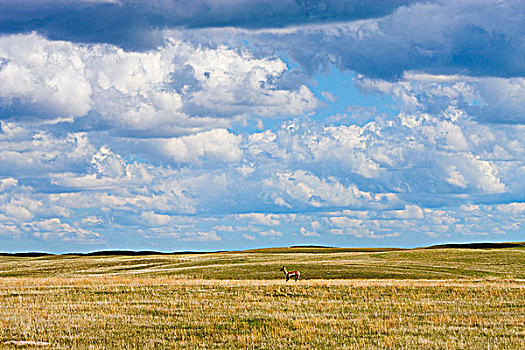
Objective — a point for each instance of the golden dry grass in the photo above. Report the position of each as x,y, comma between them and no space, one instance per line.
313,264
150,310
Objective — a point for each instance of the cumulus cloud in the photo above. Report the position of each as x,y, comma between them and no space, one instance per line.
410,212
213,145
409,153
41,152
441,37
303,167
166,195
20,208
155,219
307,233
92,220
343,225
514,208
270,233
54,228
6,183
175,89
302,189
488,99
201,236
8,229
48,77
248,237
262,219
233,84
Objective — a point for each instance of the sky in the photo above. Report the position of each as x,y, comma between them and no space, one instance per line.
176,125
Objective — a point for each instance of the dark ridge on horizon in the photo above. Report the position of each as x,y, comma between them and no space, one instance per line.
28,254
135,253
108,253
477,245
312,249
291,249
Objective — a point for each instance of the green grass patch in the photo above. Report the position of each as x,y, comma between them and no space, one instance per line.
324,263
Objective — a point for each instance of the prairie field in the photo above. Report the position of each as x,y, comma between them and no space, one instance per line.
355,299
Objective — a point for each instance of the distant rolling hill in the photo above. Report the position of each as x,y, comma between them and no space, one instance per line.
484,261
281,250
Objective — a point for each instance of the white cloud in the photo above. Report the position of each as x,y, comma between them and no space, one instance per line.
512,208
410,212
224,228
7,183
265,143
270,233
288,168
8,229
261,219
485,175
200,236
236,83
108,170
21,207
214,145
124,201
92,220
307,233
49,75
16,212
487,99
153,219
347,146
12,132
306,189
108,163
347,226
455,178
54,228
39,153
176,89
408,153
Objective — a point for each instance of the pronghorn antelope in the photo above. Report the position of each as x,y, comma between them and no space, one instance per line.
291,274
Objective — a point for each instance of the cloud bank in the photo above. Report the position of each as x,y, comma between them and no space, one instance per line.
227,125
132,22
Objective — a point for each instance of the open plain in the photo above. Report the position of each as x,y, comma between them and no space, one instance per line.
347,298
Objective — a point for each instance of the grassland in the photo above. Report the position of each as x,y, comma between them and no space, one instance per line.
406,299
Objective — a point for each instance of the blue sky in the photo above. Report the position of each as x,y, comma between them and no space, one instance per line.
228,124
